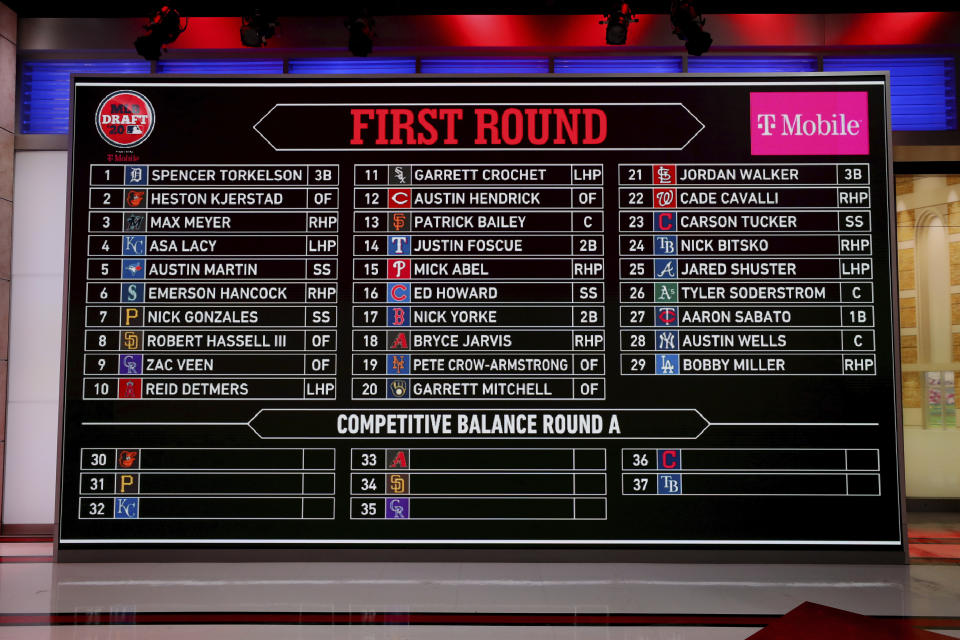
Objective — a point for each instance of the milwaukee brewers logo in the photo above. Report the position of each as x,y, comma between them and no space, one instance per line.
125,119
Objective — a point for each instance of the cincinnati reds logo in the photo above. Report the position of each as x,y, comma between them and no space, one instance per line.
125,119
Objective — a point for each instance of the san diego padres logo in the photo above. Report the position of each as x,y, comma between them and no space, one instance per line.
125,118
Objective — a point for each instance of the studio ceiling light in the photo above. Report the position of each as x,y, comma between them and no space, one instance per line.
688,26
162,28
256,29
360,26
618,21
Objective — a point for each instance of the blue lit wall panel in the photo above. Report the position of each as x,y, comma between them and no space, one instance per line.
618,65
923,90
485,65
750,64
221,66
45,89
352,65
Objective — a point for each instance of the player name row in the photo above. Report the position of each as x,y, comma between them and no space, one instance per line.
734,364
670,174
663,339
736,197
530,221
318,388
489,268
392,364
203,174
450,245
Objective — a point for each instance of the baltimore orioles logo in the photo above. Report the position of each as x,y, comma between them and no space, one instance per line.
126,459
135,198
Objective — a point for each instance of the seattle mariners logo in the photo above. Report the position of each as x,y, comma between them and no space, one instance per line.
125,119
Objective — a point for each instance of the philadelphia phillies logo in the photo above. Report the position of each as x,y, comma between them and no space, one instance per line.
125,119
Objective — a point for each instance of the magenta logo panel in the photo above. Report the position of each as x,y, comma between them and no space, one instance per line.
809,123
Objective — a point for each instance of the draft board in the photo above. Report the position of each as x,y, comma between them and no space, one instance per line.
601,314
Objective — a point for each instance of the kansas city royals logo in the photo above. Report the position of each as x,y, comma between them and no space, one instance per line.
134,245
126,507
398,245
133,269
668,364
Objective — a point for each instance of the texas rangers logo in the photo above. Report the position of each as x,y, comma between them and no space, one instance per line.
125,119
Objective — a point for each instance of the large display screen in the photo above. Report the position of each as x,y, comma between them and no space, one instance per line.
535,313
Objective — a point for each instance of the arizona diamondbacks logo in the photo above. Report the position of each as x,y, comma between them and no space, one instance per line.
125,119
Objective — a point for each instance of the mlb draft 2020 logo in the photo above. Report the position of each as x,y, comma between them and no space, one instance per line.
125,118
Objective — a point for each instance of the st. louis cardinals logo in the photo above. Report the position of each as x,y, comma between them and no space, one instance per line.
125,119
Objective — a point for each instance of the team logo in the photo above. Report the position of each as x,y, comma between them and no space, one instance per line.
664,221
135,176
397,483
664,198
398,174
398,316
131,340
398,245
398,198
398,364
134,245
667,340
133,292
664,174
399,291
665,292
667,364
135,198
400,221
127,459
131,364
129,483
398,269
129,388
125,119
133,269
398,508
399,458
133,221
665,268
665,316
126,507
397,388
664,245
132,316
398,340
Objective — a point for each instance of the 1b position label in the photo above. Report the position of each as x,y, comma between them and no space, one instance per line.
488,314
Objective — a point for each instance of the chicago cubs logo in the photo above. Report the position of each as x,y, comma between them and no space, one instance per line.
125,119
